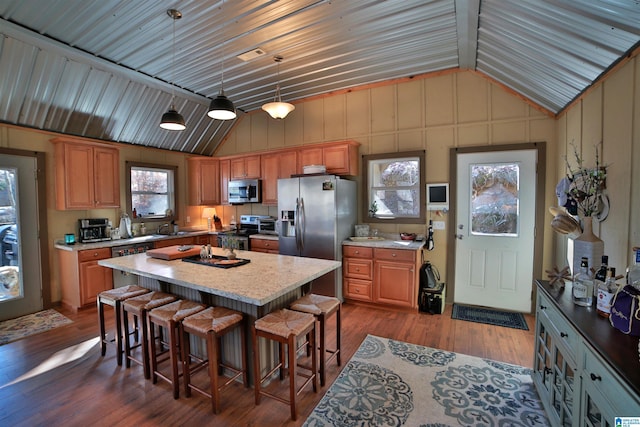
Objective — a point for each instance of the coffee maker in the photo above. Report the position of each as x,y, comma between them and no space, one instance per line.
93,230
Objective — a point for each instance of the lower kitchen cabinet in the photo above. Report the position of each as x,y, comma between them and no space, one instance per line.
577,369
81,278
380,275
270,246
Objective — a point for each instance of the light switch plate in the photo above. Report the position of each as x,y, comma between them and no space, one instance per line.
438,225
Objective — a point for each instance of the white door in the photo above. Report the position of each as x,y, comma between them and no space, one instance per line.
20,271
495,211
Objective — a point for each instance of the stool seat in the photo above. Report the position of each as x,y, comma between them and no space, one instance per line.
170,316
285,327
322,307
114,298
211,325
139,306
284,323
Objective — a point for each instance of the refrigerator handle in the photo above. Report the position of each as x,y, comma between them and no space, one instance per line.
302,224
297,225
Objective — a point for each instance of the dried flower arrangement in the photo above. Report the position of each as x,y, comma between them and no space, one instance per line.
586,184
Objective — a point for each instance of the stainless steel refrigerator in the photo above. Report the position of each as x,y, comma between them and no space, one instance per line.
316,214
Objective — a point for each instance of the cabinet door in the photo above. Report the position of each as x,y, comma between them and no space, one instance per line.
94,279
209,182
76,177
288,164
309,156
357,289
225,175
338,160
106,167
395,283
358,268
245,167
270,166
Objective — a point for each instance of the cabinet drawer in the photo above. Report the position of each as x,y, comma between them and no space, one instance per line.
395,255
568,336
357,289
94,254
264,244
603,379
358,268
357,252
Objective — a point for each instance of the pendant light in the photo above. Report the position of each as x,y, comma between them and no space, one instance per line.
172,120
278,109
221,108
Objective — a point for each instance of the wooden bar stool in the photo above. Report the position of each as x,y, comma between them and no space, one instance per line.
169,316
114,298
140,306
211,325
286,327
322,307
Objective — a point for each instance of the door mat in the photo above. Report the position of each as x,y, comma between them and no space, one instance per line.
489,316
31,324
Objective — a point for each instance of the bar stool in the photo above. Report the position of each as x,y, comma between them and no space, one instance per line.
322,307
286,327
169,316
211,325
114,298
140,306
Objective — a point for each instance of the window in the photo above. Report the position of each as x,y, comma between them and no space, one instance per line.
495,199
395,187
151,191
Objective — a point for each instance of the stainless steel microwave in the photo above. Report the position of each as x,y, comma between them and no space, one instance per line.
244,191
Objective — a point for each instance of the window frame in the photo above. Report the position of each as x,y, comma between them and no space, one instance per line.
173,193
366,187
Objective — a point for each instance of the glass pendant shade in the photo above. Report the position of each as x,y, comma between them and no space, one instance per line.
222,108
172,120
278,109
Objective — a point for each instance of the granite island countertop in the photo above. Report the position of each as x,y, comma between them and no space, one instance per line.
265,278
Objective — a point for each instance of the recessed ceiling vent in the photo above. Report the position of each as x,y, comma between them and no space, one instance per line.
252,54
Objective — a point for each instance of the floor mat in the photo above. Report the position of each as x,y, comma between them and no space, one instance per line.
489,316
394,383
21,327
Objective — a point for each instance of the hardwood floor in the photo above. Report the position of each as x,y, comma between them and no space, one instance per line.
58,377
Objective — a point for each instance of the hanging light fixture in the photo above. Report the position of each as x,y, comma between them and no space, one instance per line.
278,109
221,107
172,120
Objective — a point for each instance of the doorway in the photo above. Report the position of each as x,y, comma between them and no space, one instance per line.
24,256
499,205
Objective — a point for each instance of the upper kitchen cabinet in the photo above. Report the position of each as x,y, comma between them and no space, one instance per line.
225,176
87,175
340,158
246,167
275,166
204,181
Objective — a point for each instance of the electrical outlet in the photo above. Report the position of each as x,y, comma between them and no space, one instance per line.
438,225
188,219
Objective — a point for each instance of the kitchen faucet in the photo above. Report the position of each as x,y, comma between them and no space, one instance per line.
160,227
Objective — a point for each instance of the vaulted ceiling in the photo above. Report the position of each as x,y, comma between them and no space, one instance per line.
103,68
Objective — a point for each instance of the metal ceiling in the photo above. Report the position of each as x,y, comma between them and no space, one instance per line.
103,68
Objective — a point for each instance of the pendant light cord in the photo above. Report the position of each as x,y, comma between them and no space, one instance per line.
173,64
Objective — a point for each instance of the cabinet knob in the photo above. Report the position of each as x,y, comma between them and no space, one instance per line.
563,334
393,254
547,371
357,252
357,269
595,377
95,254
543,307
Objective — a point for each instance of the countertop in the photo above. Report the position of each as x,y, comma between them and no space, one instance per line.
387,243
264,236
264,279
59,243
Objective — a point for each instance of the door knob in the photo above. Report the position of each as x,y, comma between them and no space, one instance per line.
459,236
461,226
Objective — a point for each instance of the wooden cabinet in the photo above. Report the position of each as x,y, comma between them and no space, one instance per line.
81,278
204,181
246,167
340,158
380,276
265,245
87,175
581,364
225,176
275,166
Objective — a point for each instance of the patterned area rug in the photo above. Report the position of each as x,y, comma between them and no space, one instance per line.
393,383
492,317
21,327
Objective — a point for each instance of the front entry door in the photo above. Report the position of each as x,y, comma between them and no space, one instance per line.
20,263
495,211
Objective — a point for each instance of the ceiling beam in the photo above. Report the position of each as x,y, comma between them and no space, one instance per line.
467,18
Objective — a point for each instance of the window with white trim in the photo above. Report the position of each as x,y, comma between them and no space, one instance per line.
151,191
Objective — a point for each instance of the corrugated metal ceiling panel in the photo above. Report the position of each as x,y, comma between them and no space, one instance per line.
100,68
